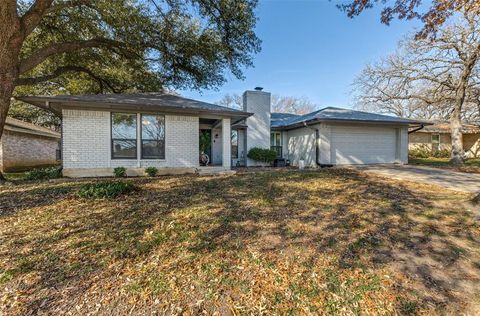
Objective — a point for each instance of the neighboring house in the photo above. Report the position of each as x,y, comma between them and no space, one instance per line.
24,145
101,132
436,138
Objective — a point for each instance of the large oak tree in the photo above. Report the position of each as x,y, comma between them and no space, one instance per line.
121,45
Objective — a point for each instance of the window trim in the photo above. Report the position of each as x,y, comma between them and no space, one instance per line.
141,140
112,157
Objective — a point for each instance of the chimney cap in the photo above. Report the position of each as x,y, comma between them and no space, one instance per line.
258,88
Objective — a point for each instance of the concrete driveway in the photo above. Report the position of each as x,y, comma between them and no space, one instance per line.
459,181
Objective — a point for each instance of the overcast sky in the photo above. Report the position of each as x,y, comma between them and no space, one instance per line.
310,48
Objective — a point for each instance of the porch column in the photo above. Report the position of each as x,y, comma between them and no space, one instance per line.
227,143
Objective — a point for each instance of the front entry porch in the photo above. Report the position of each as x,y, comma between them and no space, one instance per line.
215,142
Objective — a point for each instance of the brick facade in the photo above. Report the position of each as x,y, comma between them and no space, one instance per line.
471,142
19,151
87,142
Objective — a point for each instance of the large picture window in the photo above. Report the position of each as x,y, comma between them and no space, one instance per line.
153,136
124,136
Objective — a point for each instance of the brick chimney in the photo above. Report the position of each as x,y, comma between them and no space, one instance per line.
258,131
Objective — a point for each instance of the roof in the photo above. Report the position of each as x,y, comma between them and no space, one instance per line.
444,127
289,121
18,126
142,101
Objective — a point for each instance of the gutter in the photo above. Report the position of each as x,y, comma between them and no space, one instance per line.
416,129
317,145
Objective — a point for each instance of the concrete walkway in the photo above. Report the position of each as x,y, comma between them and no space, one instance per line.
459,181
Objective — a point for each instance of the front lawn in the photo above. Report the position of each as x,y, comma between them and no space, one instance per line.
285,242
471,165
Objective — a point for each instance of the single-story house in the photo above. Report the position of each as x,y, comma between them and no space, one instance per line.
437,137
24,146
101,132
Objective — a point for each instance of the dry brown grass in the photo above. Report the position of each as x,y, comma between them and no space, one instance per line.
323,242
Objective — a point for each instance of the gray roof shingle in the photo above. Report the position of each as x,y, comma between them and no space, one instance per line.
283,120
147,101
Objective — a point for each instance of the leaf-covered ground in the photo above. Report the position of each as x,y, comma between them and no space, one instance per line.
331,242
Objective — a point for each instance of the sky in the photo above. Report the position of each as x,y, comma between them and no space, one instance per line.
312,49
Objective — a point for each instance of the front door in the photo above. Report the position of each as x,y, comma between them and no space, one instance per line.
206,142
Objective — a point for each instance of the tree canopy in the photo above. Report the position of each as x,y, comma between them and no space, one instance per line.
86,46
433,14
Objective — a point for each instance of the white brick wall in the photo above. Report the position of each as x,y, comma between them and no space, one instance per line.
87,142
86,139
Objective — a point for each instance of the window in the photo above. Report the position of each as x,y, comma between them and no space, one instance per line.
153,136
124,135
275,139
276,143
234,144
435,142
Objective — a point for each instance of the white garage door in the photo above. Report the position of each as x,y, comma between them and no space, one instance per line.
363,145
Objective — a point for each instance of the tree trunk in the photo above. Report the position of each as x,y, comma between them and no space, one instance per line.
11,40
458,155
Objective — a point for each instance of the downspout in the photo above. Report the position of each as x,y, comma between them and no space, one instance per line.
317,146
416,129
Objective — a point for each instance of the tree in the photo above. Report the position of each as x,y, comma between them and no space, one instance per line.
231,100
280,104
293,105
438,75
432,16
122,45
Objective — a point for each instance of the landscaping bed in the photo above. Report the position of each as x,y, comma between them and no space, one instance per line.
333,241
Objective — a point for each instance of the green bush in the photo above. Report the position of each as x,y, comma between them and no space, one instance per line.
151,171
105,189
120,172
426,152
444,153
44,173
421,152
261,154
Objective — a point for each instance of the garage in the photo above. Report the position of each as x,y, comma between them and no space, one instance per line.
335,136
363,145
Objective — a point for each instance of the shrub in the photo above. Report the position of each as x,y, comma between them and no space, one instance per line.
120,172
421,152
105,189
426,152
151,171
44,173
444,153
262,154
